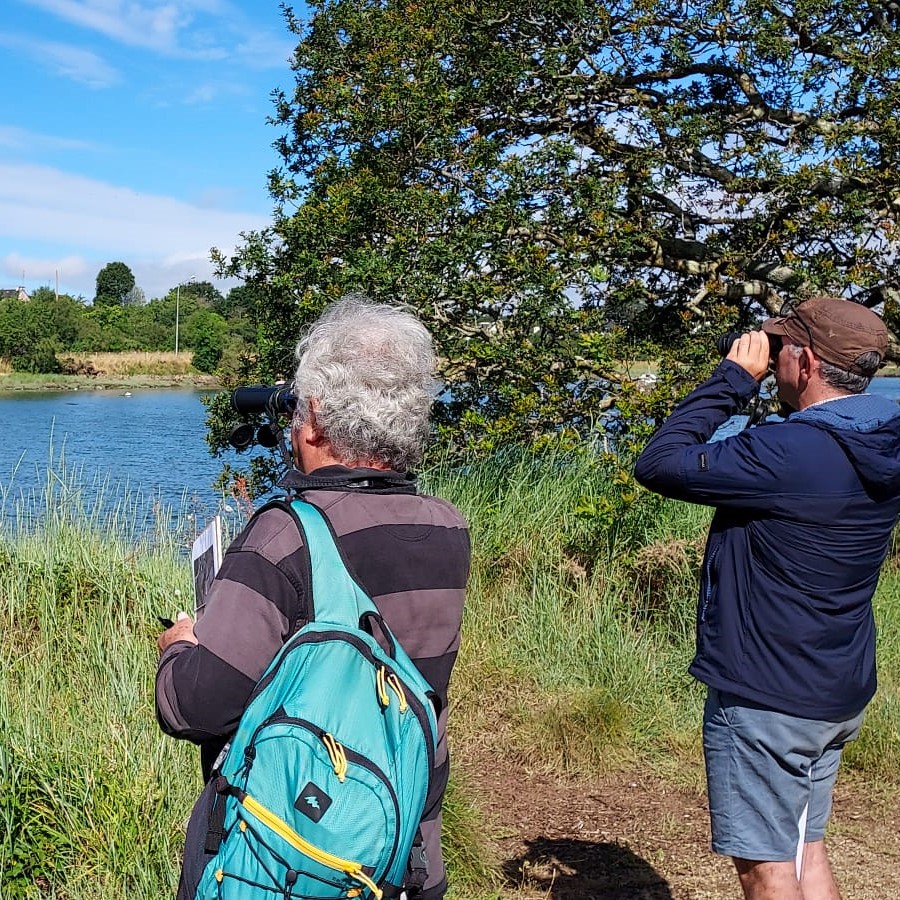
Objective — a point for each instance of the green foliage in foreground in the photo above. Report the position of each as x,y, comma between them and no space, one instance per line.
578,632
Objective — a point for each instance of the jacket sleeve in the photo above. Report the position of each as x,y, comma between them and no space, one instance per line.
253,606
743,471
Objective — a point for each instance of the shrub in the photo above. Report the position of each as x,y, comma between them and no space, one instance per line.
38,359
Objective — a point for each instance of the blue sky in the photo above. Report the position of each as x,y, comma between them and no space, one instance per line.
134,130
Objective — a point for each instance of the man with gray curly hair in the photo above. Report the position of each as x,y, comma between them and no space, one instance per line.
364,386
365,378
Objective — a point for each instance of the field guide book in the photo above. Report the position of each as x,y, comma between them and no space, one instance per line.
206,557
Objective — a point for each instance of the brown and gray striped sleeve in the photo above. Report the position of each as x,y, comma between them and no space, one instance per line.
253,606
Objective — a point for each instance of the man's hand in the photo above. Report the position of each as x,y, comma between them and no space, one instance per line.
751,352
182,630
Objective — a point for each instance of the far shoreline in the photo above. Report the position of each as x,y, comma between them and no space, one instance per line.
19,382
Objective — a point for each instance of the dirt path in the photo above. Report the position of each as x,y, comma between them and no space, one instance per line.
631,838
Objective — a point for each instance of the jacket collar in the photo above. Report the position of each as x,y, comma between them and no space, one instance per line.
341,478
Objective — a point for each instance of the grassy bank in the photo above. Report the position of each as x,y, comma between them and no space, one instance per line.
110,371
578,631
580,628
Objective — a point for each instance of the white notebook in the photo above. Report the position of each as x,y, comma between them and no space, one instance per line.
206,557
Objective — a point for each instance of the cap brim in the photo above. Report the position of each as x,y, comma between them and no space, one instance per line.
776,325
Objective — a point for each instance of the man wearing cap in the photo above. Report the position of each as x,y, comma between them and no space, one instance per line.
804,510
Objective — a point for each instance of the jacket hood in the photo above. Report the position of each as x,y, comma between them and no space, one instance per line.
867,427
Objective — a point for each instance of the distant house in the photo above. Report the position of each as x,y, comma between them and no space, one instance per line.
18,293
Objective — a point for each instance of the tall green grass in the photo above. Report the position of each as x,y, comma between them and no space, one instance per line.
580,626
577,635
92,795
876,753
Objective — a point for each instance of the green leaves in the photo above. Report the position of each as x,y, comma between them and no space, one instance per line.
557,187
114,281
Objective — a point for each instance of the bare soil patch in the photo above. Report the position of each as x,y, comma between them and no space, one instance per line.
637,837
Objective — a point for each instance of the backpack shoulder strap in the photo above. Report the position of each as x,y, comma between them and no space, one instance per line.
337,598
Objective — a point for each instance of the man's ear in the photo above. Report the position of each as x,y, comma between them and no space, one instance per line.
807,362
314,433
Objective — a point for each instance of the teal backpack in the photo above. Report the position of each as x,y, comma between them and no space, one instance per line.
323,786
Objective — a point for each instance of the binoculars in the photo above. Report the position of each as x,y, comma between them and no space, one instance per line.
274,402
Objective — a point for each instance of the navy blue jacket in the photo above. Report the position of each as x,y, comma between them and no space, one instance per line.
805,508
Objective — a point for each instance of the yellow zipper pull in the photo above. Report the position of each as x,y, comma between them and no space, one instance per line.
337,756
394,682
359,875
381,688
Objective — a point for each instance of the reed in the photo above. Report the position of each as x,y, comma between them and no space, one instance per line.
583,662
92,793
579,631
129,363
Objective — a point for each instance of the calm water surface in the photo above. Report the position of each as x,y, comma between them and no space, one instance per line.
886,387
147,445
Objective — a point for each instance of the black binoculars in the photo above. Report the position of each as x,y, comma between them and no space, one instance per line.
724,343
273,402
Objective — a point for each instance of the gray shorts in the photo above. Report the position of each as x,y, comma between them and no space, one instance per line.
769,776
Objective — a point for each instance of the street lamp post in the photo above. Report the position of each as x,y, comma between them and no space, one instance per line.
177,303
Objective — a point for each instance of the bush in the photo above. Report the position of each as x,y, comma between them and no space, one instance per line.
207,333
40,359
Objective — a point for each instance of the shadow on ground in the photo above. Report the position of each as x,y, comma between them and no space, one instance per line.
566,869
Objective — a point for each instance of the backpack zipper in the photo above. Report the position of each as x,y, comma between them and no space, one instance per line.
273,822
318,637
351,757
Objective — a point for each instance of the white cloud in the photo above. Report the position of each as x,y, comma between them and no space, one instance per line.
34,271
153,25
55,221
72,62
209,92
195,29
13,138
79,65
265,50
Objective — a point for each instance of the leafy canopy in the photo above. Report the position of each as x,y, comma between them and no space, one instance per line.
115,284
561,186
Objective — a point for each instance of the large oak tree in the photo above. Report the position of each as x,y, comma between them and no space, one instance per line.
555,185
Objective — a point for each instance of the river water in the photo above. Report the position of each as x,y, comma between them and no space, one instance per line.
146,445
886,387
145,448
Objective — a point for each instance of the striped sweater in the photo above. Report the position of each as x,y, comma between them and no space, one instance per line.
411,554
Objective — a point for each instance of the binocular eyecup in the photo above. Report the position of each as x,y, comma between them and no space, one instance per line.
724,342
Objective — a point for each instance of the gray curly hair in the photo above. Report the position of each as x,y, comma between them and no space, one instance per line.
370,369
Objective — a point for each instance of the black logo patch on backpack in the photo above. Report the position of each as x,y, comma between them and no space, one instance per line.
313,802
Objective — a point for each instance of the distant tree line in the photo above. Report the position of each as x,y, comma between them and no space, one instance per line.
219,330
